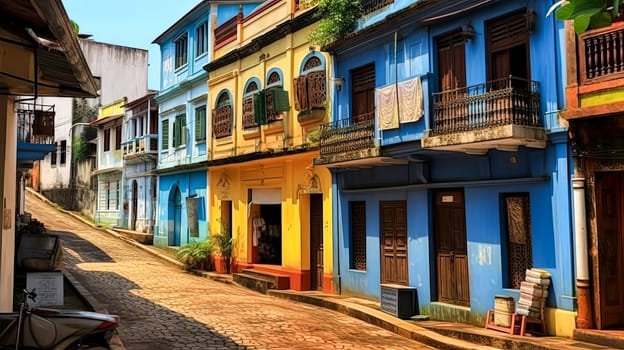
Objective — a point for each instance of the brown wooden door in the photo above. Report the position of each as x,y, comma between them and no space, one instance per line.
394,242
316,242
451,62
451,247
363,93
609,193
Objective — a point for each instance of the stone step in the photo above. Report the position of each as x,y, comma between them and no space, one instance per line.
261,281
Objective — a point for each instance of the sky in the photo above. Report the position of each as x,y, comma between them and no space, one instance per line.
133,23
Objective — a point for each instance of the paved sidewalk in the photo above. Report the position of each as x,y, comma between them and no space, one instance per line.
441,335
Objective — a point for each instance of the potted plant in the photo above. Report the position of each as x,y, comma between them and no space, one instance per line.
224,244
196,255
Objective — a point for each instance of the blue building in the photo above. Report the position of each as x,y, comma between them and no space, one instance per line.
451,171
185,48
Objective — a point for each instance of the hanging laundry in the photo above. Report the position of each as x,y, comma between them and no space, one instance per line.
387,109
410,100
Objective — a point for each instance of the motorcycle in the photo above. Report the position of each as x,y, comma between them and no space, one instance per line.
52,329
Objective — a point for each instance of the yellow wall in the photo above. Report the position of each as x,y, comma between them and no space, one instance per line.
292,175
602,97
114,108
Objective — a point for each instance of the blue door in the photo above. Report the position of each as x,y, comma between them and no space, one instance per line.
175,216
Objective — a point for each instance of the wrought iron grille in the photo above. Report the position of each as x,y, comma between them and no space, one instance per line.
342,136
601,53
358,234
222,121
519,252
370,6
499,102
249,119
35,123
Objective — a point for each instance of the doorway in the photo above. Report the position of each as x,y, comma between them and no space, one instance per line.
451,250
134,206
175,216
610,299
316,242
393,242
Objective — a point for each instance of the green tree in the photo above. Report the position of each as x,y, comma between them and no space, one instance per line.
337,18
587,14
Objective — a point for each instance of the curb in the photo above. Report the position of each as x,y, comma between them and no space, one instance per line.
383,320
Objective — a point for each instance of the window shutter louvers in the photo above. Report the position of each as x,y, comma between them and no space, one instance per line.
259,108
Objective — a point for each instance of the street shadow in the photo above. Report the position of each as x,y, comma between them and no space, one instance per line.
79,250
145,324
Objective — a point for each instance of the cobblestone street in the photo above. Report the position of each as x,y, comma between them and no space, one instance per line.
162,307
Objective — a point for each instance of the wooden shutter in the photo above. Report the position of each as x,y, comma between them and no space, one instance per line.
317,89
200,123
165,134
259,108
301,93
281,103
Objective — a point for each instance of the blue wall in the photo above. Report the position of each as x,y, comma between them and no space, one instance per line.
189,184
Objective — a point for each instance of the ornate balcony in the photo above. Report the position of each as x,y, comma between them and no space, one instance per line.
146,145
35,123
596,73
344,141
501,114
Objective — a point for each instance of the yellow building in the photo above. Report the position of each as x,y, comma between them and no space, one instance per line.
268,96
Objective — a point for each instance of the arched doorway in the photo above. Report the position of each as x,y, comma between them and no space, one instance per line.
175,216
133,207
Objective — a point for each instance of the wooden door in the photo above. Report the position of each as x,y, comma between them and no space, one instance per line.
134,208
316,242
451,247
451,112
363,93
394,242
609,193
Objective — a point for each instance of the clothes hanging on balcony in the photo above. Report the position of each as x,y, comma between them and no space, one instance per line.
258,227
387,107
410,100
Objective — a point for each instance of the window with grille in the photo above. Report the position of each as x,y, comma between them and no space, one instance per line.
517,211
222,116
200,123
181,51
249,120
357,213
311,86
53,155
118,137
165,135
179,130
201,39
107,137
63,152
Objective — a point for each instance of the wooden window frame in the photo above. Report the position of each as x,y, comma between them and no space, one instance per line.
118,137
201,39
181,51
107,141
164,141
222,117
63,156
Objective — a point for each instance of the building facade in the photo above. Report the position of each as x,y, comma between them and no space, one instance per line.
65,176
139,151
111,202
268,94
595,102
451,169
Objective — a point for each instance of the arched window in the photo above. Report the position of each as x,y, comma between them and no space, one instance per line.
311,85
249,120
222,116
275,96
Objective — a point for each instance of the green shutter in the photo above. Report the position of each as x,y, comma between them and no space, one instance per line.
182,130
176,132
200,123
165,135
280,100
259,108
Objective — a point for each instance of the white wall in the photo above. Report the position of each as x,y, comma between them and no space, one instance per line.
58,175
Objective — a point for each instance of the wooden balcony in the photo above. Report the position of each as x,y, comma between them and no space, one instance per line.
344,141
35,123
595,72
138,147
500,114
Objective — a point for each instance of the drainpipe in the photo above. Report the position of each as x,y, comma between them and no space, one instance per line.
584,312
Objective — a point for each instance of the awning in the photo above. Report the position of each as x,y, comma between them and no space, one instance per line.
266,196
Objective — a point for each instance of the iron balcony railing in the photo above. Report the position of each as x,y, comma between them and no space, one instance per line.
601,53
343,136
35,123
499,102
146,144
370,6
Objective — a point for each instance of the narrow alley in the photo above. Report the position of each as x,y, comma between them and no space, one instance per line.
162,307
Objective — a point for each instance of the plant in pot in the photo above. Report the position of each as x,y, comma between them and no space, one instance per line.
224,244
196,255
